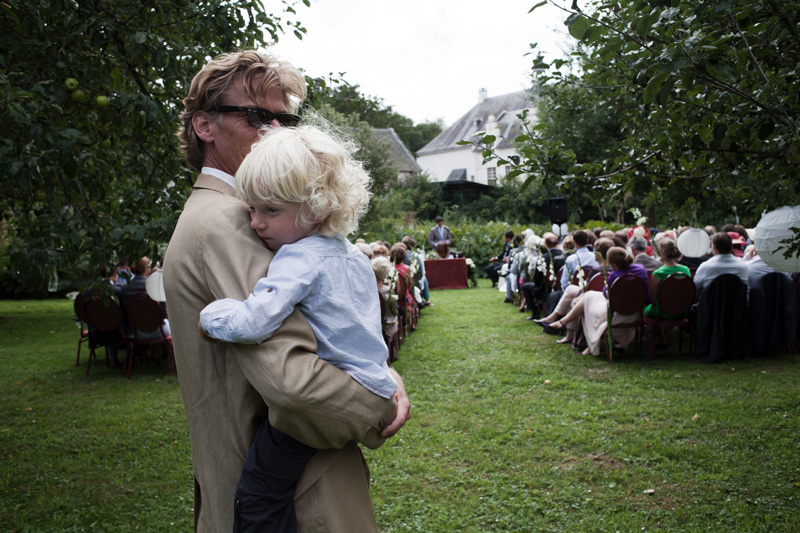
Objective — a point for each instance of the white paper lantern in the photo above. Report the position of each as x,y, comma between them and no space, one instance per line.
694,242
560,230
155,286
773,228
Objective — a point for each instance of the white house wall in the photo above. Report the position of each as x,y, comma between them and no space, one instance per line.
438,166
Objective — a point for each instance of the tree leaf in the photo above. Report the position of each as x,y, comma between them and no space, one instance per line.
540,4
653,86
579,27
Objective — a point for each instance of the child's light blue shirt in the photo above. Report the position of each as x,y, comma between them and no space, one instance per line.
332,283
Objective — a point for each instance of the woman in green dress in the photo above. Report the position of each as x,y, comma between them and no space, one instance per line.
669,257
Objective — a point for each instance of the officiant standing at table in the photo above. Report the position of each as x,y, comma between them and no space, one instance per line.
440,237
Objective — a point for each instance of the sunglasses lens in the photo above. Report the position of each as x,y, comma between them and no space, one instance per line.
288,120
259,118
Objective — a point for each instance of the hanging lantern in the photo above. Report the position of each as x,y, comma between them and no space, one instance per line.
155,286
560,229
694,243
773,228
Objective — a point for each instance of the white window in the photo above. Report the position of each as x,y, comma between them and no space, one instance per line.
491,175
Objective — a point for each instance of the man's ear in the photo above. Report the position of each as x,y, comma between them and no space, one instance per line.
202,127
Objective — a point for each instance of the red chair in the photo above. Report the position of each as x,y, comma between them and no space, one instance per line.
145,314
674,296
597,282
556,286
105,325
83,318
586,273
627,296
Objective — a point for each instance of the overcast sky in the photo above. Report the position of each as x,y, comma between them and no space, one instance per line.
425,58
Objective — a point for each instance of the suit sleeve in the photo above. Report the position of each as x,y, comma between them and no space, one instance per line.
308,398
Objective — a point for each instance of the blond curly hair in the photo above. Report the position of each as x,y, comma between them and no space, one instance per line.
309,166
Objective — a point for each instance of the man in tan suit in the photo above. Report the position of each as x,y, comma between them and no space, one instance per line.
226,388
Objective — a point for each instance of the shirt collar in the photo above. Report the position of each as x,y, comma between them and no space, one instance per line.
224,176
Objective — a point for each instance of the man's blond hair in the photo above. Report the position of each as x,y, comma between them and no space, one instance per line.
258,71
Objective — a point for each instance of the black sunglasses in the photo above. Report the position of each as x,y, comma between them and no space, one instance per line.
257,117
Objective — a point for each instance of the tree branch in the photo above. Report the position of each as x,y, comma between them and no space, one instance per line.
749,50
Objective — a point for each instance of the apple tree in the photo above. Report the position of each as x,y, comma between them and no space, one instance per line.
90,92
704,97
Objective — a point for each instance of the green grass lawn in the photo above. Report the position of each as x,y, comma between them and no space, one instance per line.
666,445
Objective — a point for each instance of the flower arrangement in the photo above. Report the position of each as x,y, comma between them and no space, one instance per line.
413,267
472,274
392,283
581,278
640,220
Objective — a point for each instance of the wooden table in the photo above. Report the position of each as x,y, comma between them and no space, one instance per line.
446,273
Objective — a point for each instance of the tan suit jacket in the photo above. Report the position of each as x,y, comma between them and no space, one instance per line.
214,254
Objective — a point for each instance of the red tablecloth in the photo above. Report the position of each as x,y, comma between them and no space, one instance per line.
446,273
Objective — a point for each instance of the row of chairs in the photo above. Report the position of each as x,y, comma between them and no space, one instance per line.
718,322
408,315
101,322
677,295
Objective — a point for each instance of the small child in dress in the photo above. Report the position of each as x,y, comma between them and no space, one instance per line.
306,194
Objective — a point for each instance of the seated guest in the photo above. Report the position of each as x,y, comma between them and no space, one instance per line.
621,236
757,269
772,305
140,269
365,248
669,257
572,292
722,262
568,244
109,275
497,262
640,231
138,282
638,246
535,291
380,250
593,306
512,276
396,256
123,272
382,267
417,258
737,243
440,238
590,238
582,257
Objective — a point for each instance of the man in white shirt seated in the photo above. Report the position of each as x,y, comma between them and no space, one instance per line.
722,262
582,257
